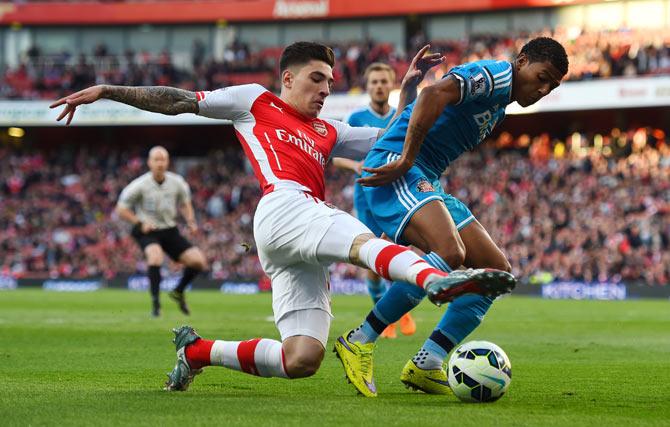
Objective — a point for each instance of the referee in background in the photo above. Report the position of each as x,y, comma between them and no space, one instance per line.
150,203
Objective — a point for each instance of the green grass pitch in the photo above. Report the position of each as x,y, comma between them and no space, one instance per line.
98,359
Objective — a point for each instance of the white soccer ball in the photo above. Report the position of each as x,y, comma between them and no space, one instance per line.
479,371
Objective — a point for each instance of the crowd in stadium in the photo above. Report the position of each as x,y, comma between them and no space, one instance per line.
593,54
590,208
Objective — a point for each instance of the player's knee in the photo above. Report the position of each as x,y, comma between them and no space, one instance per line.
154,255
500,262
194,258
304,364
200,263
505,266
454,256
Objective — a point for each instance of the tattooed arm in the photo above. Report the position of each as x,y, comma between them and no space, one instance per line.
430,104
158,99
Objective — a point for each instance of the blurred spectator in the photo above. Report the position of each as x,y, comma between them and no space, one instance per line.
593,54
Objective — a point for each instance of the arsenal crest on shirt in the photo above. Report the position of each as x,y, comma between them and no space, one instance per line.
320,128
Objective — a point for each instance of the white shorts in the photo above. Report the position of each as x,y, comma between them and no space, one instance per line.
312,322
298,236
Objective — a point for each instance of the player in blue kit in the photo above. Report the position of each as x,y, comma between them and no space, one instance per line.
400,179
379,81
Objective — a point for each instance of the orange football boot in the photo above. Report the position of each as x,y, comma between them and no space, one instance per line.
407,325
389,332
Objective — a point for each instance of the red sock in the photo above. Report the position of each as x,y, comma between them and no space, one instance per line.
423,274
198,353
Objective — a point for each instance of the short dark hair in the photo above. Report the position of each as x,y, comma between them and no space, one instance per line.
300,53
543,49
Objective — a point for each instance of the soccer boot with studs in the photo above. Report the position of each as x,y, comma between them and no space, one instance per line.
431,381
356,360
484,281
182,375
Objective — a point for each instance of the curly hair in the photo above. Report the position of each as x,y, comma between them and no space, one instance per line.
543,49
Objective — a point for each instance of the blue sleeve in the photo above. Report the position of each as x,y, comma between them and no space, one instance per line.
479,80
352,120
502,74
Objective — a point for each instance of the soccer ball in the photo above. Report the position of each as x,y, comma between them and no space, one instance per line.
479,371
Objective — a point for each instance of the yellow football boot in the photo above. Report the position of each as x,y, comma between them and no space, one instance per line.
431,381
356,360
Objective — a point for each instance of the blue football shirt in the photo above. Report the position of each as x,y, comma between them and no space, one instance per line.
486,89
367,117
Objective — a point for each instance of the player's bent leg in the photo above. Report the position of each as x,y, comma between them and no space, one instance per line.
304,335
349,240
481,251
451,249
395,306
259,356
392,262
194,258
425,370
302,356
154,254
432,229
195,262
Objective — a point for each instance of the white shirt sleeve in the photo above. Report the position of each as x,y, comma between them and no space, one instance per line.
131,195
230,103
352,142
184,195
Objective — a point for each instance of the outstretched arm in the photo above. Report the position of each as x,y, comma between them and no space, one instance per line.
432,100
158,99
415,73
348,164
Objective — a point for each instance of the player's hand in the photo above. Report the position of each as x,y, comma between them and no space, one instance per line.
192,226
358,168
385,174
147,227
420,65
71,102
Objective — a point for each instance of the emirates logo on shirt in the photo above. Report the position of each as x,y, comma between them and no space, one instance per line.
320,128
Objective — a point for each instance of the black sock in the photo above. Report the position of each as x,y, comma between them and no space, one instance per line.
440,339
186,278
154,274
377,324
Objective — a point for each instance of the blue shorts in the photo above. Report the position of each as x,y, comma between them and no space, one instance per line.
363,212
394,204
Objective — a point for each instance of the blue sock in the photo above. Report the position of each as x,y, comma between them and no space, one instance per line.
376,288
436,261
399,299
462,317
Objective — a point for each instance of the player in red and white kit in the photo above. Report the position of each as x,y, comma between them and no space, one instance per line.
297,233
